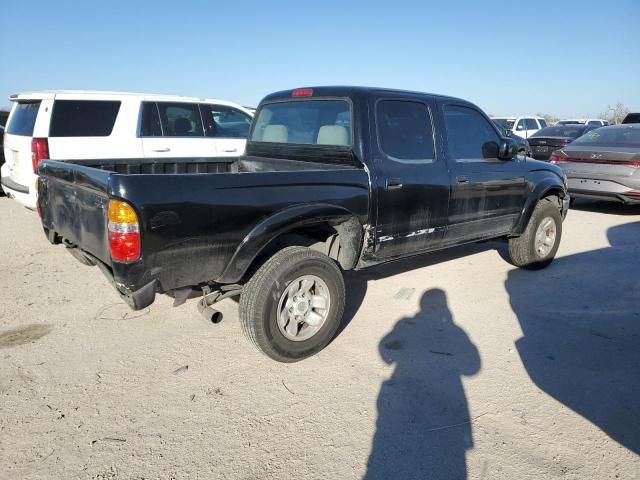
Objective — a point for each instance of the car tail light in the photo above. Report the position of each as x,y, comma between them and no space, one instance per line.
556,158
633,192
124,232
39,151
302,92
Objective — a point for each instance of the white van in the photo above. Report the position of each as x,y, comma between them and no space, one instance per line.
67,125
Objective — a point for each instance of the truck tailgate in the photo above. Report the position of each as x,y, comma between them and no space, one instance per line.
73,203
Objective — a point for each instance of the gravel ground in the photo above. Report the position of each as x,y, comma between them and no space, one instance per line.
452,365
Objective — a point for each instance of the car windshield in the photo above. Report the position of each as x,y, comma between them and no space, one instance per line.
618,136
305,122
504,123
560,131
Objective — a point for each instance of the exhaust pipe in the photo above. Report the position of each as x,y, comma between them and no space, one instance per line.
211,315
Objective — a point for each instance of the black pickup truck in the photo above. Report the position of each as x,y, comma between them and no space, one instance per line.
333,179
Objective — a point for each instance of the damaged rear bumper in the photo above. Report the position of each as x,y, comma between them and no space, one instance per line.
136,299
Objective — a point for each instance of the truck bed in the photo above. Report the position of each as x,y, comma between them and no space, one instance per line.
194,213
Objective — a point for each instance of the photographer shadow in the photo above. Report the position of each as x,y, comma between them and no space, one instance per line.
423,428
580,320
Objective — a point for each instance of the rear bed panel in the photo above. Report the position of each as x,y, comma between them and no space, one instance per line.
191,224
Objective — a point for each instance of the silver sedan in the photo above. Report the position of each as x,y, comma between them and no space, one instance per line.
603,164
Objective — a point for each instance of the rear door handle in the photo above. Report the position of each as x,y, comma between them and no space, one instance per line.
230,150
166,149
393,184
462,179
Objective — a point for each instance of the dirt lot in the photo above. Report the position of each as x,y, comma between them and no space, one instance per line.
453,365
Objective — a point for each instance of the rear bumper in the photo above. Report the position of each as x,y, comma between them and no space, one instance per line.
600,189
608,197
24,194
136,299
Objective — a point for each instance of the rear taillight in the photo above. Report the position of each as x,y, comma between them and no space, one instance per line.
39,151
124,232
556,158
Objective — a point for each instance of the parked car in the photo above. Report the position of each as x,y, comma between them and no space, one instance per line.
631,118
521,126
594,122
604,164
334,179
544,142
80,124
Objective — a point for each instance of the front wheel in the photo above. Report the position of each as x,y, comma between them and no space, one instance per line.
293,304
538,244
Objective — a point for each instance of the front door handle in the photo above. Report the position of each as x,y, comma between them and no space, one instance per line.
462,179
393,184
230,150
166,149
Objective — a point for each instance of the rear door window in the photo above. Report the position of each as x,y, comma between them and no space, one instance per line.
150,123
180,119
23,118
83,118
543,123
405,130
221,121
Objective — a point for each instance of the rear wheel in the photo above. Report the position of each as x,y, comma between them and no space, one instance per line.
293,304
538,244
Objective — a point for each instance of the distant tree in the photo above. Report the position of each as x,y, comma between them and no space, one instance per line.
615,115
550,119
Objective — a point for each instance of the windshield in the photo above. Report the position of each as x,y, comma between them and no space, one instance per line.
503,123
561,131
304,122
619,136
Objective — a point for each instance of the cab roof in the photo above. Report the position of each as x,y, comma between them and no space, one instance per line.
351,91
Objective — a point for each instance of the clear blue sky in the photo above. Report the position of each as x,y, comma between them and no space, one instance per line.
560,57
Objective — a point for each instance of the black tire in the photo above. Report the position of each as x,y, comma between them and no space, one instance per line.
260,297
522,251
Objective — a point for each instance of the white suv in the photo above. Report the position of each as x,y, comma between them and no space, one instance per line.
65,125
522,126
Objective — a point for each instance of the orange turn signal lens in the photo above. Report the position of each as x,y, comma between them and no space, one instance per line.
121,212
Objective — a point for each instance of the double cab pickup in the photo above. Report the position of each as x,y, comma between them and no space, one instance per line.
333,179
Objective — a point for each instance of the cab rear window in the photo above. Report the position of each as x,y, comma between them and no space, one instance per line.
83,118
23,118
304,122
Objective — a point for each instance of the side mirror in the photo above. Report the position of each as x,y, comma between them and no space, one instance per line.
520,127
508,149
490,150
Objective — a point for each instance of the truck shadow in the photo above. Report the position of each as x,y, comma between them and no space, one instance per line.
423,429
580,320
